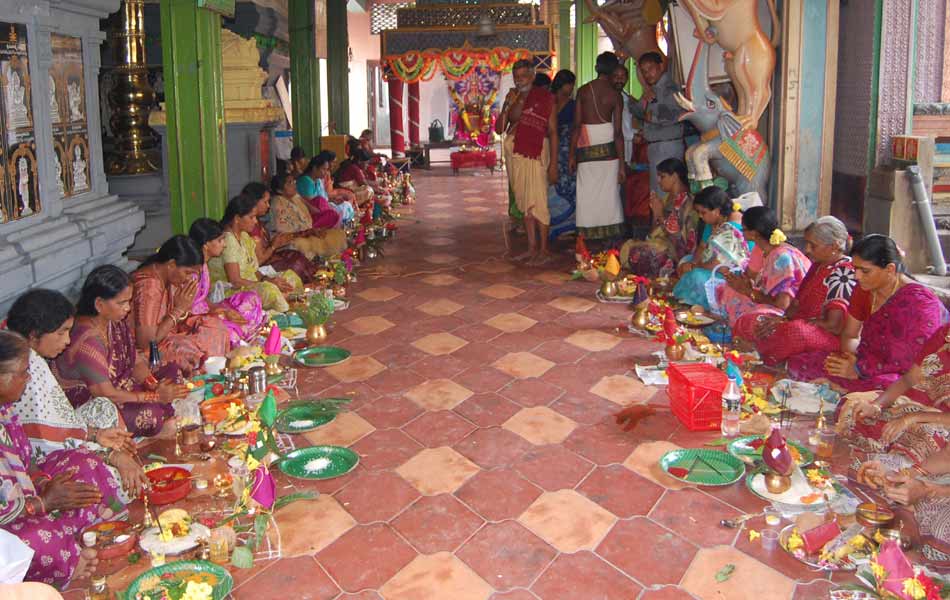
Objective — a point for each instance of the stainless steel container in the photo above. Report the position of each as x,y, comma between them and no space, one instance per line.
256,380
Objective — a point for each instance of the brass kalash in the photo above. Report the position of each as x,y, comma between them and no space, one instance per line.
131,96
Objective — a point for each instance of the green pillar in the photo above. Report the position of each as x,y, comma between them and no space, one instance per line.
633,83
194,103
338,65
564,34
304,75
585,45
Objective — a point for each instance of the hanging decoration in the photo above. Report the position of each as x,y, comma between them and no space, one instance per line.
455,63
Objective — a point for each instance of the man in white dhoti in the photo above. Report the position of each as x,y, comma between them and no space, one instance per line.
596,152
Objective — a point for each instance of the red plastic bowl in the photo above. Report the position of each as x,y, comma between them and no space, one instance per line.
169,484
106,550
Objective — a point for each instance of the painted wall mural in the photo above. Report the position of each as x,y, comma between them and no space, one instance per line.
68,115
19,185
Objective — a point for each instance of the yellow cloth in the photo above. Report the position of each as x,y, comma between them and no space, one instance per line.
529,181
244,254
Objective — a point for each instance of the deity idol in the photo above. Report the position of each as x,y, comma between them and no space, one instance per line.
79,171
23,187
17,112
75,101
53,103
59,175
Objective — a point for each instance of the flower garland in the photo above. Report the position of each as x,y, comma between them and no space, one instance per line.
456,63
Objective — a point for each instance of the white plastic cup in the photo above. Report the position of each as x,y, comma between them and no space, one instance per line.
769,539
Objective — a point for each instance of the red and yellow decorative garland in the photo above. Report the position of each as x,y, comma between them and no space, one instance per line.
456,63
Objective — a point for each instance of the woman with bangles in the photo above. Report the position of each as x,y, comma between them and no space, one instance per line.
102,361
274,251
47,502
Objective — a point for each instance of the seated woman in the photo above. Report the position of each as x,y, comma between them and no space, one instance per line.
101,359
47,502
238,264
163,292
351,176
726,247
298,161
291,214
815,318
889,319
241,313
912,415
342,200
274,251
772,289
44,318
925,491
309,188
674,225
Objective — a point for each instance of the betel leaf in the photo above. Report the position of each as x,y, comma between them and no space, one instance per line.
718,442
725,573
242,557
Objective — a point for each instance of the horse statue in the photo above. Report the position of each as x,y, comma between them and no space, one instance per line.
726,147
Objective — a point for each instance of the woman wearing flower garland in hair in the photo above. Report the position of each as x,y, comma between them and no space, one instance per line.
743,298
890,317
46,503
725,247
815,318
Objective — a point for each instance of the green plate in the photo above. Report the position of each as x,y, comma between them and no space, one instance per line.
741,448
342,461
706,467
321,356
303,417
221,589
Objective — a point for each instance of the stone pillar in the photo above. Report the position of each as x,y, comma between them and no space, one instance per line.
304,75
413,114
194,103
585,45
396,133
338,65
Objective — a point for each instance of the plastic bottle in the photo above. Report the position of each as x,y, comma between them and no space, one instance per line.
731,409
154,357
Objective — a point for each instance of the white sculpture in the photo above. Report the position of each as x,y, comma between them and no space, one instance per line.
59,175
53,103
80,184
17,112
75,101
23,187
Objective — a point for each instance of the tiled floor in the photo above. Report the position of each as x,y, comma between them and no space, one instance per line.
483,396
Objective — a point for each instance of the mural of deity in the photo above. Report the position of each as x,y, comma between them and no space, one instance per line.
75,101
53,103
80,183
59,175
17,112
23,187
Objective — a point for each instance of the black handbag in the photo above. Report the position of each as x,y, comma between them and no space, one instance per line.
436,132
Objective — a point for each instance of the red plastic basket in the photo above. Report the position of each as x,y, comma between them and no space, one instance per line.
695,392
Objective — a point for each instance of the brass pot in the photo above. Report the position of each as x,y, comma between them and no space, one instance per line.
316,334
609,289
272,364
640,318
675,352
776,484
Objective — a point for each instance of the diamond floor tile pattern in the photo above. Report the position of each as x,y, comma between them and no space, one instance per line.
437,471
540,425
567,520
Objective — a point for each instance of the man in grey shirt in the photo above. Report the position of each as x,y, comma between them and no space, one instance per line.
659,112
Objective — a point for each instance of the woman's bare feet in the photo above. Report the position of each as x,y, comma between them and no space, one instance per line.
86,566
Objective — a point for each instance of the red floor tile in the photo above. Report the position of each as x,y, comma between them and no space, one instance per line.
560,352
442,428
647,552
487,410
493,447
532,392
667,593
392,381
499,494
583,576
604,443
553,467
390,412
585,408
695,516
440,367
386,449
302,575
621,491
514,595
437,524
482,379
366,557
507,555
376,496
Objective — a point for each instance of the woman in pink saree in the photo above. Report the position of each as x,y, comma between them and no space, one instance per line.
890,317
47,503
242,312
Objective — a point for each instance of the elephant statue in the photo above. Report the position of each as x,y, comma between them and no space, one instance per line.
726,148
749,54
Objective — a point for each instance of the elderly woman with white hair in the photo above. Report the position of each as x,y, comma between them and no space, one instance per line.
814,319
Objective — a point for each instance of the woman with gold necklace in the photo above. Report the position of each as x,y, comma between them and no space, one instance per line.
889,319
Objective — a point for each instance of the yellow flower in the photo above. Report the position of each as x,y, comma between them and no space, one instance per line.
878,570
198,591
914,589
234,411
754,535
778,236
252,463
736,207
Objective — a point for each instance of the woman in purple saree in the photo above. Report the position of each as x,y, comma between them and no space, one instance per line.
101,359
49,503
890,317
242,312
